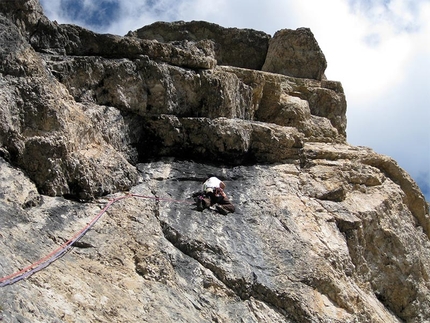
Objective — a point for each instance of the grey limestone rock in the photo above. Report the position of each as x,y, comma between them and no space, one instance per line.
129,128
295,53
245,48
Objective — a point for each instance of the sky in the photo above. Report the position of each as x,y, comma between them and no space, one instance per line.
378,49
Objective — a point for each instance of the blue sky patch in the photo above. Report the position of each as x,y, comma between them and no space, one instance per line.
97,13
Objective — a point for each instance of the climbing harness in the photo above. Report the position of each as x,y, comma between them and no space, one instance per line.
61,250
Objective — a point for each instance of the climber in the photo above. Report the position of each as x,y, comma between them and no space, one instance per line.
213,197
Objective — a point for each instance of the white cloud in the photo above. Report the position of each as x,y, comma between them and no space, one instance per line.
366,54
378,49
52,10
396,121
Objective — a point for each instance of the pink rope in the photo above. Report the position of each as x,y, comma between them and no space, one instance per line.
61,250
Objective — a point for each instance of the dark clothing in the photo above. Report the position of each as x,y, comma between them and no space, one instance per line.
205,200
219,197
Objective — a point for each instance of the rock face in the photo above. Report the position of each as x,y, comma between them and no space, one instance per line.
323,232
245,48
295,53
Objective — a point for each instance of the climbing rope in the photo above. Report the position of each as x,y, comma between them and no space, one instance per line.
61,250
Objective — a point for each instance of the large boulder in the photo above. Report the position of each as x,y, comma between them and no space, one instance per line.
295,53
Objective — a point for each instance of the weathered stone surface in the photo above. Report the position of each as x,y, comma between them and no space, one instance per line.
44,131
17,58
145,87
231,141
24,13
286,255
79,41
317,109
412,196
323,232
245,48
295,53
